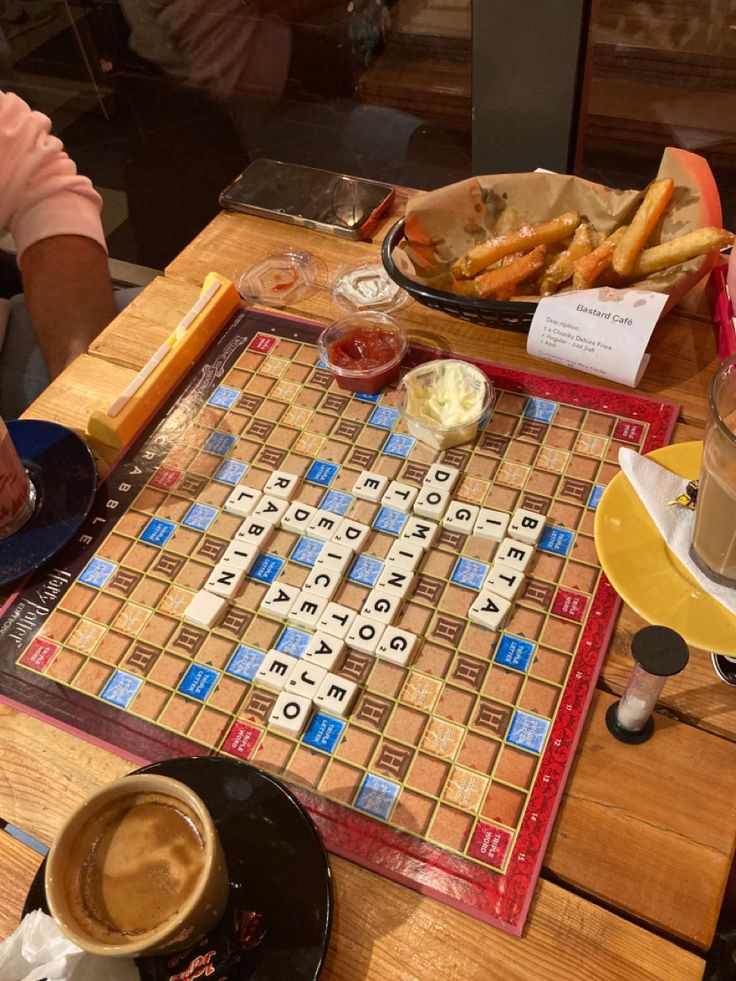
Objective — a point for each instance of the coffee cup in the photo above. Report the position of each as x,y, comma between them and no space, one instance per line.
137,869
17,493
713,544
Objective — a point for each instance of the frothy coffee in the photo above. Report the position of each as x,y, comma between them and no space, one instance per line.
714,535
133,866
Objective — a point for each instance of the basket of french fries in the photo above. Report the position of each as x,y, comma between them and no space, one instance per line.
489,248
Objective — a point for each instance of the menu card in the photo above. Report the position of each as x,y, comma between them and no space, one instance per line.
602,331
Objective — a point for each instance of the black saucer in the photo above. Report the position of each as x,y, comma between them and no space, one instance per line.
63,472
277,923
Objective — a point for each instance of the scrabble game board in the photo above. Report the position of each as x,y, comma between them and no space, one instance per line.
443,761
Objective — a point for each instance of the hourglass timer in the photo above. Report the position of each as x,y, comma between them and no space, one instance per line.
659,653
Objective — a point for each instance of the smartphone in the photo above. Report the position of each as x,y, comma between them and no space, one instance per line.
319,199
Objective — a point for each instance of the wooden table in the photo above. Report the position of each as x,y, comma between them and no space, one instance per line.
640,857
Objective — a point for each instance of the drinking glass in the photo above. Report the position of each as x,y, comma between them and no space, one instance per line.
713,544
17,493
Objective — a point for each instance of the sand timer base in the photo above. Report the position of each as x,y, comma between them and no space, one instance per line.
725,668
64,475
627,735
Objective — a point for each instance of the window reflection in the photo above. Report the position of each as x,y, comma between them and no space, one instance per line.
163,102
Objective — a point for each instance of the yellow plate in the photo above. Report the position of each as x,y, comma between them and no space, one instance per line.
643,571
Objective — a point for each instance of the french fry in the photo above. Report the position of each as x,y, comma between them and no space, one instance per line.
589,267
680,250
509,275
508,220
520,240
465,287
562,267
642,225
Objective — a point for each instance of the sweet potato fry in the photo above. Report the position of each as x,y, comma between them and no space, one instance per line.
589,267
642,225
680,250
509,275
561,269
522,239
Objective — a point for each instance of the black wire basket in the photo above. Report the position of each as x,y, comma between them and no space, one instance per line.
491,313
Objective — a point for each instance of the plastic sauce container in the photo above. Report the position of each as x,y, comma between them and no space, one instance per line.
445,402
364,351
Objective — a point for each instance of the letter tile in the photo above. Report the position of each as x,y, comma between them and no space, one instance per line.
240,555
421,531
323,525
396,645
336,695
526,526
255,531
400,496
370,486
364,635
395,580
407,555
442,476
336,620
335,557
290,714
274,670
205,608
491,524
271,509
431,502
381,606
307,610
281,484
489,610
225,580
322,581
516,554
504,580
460,517
279,600
351,533
297,517
305,679
326,651
242,500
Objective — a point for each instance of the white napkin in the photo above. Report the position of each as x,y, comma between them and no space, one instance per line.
656,487
37,949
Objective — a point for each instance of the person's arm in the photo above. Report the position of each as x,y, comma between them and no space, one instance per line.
68,294
54,216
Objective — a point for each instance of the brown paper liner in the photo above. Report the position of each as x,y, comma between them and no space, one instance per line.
443,224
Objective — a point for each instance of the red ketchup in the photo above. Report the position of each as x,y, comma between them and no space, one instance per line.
366,359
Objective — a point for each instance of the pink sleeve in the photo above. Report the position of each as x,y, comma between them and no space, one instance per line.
41,193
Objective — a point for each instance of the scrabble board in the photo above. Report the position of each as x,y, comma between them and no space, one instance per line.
429,716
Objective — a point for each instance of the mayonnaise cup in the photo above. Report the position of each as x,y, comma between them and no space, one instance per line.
445,402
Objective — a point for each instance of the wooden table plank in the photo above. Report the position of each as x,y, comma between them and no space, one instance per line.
145,323
650,828
627,832
18,865
566,936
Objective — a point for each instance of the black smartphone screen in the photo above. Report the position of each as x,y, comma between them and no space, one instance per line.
293,191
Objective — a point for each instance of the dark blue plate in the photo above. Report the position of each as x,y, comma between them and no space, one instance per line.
277,923
63,472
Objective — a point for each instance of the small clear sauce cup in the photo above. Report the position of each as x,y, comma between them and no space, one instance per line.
436,433
346,344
